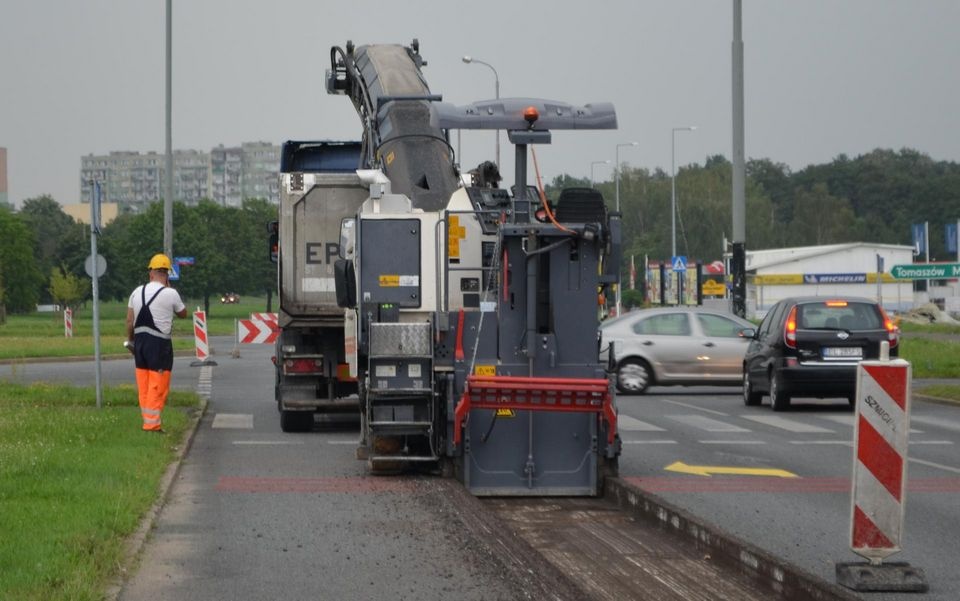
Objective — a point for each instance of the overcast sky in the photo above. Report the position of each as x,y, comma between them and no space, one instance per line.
823,77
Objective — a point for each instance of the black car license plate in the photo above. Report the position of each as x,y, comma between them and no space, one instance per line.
842,352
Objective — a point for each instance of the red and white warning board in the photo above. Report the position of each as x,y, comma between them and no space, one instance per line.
201,343
880,457
257,331
264,316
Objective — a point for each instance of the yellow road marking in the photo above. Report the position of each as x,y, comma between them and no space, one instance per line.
710,470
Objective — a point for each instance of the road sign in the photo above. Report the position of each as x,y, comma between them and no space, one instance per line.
175,272
256,331
714,288
926,271
101,265
679,263
184,260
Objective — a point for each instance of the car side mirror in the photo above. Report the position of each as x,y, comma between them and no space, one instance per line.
747,333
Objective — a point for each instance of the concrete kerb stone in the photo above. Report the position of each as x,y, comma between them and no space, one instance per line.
936,399
134,545
790,582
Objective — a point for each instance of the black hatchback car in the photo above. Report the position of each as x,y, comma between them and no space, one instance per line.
810,346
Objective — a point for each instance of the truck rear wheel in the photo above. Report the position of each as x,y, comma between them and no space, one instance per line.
296,421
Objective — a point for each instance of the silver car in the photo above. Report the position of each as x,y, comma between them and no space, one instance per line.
675,345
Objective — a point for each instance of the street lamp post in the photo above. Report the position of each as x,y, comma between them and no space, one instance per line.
617,174
593,180
673,187
496,81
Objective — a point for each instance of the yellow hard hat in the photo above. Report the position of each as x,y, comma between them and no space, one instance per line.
159,261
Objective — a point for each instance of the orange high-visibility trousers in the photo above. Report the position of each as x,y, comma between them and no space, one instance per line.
153,388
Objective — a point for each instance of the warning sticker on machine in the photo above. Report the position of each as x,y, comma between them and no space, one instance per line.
395,281
485,370
506,413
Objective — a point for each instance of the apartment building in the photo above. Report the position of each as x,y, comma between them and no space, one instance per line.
224,175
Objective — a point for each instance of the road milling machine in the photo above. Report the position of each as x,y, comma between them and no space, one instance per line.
470,312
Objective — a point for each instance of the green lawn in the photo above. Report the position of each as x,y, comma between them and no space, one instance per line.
74,483
42,334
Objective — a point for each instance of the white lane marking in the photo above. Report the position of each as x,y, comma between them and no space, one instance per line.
689,406
632,424
931,442
937,421
705,423
847,420
789,425
266,442
948,468
649,442
205,382
239,421
343,442
848,443
732,442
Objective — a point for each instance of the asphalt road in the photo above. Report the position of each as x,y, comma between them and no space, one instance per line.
255,511
805,520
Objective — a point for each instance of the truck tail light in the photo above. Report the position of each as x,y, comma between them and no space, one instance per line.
790,329
303,366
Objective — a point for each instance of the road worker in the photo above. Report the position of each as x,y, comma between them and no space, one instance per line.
150,314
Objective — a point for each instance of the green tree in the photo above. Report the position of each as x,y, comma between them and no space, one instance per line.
18,269
67,289
59,240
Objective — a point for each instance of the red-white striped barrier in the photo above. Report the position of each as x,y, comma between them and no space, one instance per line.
264,316
68,322
200,335
880,458
256,331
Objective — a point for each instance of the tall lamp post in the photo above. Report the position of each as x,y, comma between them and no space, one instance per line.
617,175
673,187
593,180
496,81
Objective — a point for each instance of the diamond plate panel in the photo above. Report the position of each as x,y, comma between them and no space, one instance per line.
400,340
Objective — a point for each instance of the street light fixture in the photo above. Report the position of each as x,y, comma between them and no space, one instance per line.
593,181
617,174
673,186
496,81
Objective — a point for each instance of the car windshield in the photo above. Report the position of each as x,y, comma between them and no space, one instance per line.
841,315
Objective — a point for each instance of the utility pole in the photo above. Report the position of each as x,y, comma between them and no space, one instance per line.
739,263
168,187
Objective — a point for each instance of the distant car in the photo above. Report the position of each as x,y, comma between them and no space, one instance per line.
810,346
230,299
675,345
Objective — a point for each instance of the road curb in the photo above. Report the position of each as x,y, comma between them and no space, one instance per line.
789,581
135,543
77,359
936,399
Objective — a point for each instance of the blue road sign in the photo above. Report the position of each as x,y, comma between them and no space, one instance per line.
175,271
679,263
183,260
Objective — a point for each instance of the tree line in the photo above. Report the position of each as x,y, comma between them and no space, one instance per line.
43,251
874,197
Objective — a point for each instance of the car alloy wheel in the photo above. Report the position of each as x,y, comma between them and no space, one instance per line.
633,377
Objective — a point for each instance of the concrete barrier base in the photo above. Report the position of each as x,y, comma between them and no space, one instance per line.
894,576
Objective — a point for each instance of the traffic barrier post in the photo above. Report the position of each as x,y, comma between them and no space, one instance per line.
235,353
881,438
68,322
257,331
200,339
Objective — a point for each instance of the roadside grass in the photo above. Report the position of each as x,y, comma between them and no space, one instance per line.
74,483
941,391
42,334
932,328
931,358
